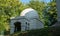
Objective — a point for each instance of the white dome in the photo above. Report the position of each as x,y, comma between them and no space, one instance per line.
29,13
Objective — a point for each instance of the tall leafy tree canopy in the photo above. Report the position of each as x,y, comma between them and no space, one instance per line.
9,8
52,12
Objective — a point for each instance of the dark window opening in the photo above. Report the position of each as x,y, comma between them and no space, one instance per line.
27,26
17,26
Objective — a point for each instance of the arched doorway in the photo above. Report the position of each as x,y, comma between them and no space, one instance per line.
17,26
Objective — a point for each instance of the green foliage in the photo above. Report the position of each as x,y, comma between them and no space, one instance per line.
52,12
46,16
9,8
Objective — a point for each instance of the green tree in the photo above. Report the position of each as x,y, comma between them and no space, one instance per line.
52,12
9,8
46,16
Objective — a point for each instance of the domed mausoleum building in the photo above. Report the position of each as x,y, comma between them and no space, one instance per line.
27,20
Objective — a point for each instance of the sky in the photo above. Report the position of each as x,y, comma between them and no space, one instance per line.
27,1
